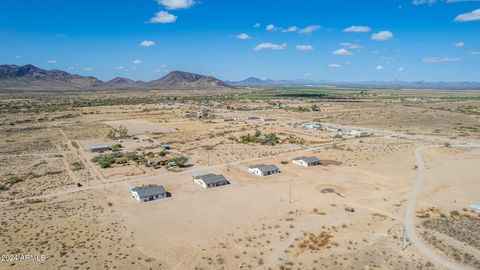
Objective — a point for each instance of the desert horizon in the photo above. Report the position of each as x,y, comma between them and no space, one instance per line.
186,134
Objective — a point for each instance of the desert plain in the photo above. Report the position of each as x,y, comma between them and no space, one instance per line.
349,212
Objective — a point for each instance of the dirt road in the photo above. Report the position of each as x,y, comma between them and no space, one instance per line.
410,217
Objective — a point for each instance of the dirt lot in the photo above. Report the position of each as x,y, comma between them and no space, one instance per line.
292,220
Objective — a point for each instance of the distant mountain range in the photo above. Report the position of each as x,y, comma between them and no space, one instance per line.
253,81
32,78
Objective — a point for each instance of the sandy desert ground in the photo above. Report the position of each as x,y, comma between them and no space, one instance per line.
296,219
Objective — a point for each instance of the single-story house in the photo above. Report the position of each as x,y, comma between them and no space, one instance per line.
333,129
166,146
210,180
148,193
263,170
306,161
100,148
314,126
475,207
354,133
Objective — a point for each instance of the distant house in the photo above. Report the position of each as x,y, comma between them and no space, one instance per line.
264,170
354,133
306,161
475,207
333,129
210,180
166,146
313,126
100,148
148,193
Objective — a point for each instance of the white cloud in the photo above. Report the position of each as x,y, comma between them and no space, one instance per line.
475,53
422,2
176,4
382,36
469,16
308,74
456,1
357,29
351,46
51,61
379,67
401,69
437,59
304,47
458,44
290,29
257,25
163,17
71,68
309,29
271,27
270,46
88,69
243,36
120,68
137,61
147,43
334,66
343,52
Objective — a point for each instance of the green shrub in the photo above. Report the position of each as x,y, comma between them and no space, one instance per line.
115,147
14,179
454,213
180,161
76,166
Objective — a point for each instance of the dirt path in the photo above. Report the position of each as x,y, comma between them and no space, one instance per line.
410,217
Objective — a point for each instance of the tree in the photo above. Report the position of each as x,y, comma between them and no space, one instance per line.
122,131
270,139
180,161
111,134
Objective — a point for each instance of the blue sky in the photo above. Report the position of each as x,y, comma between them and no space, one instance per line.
405,40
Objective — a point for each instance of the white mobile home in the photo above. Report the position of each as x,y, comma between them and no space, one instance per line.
313,126
100,148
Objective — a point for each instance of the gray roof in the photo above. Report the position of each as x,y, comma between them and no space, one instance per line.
212,178
149,190
308,159
265,168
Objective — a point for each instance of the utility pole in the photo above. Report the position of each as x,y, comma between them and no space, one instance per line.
290,199
208,158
